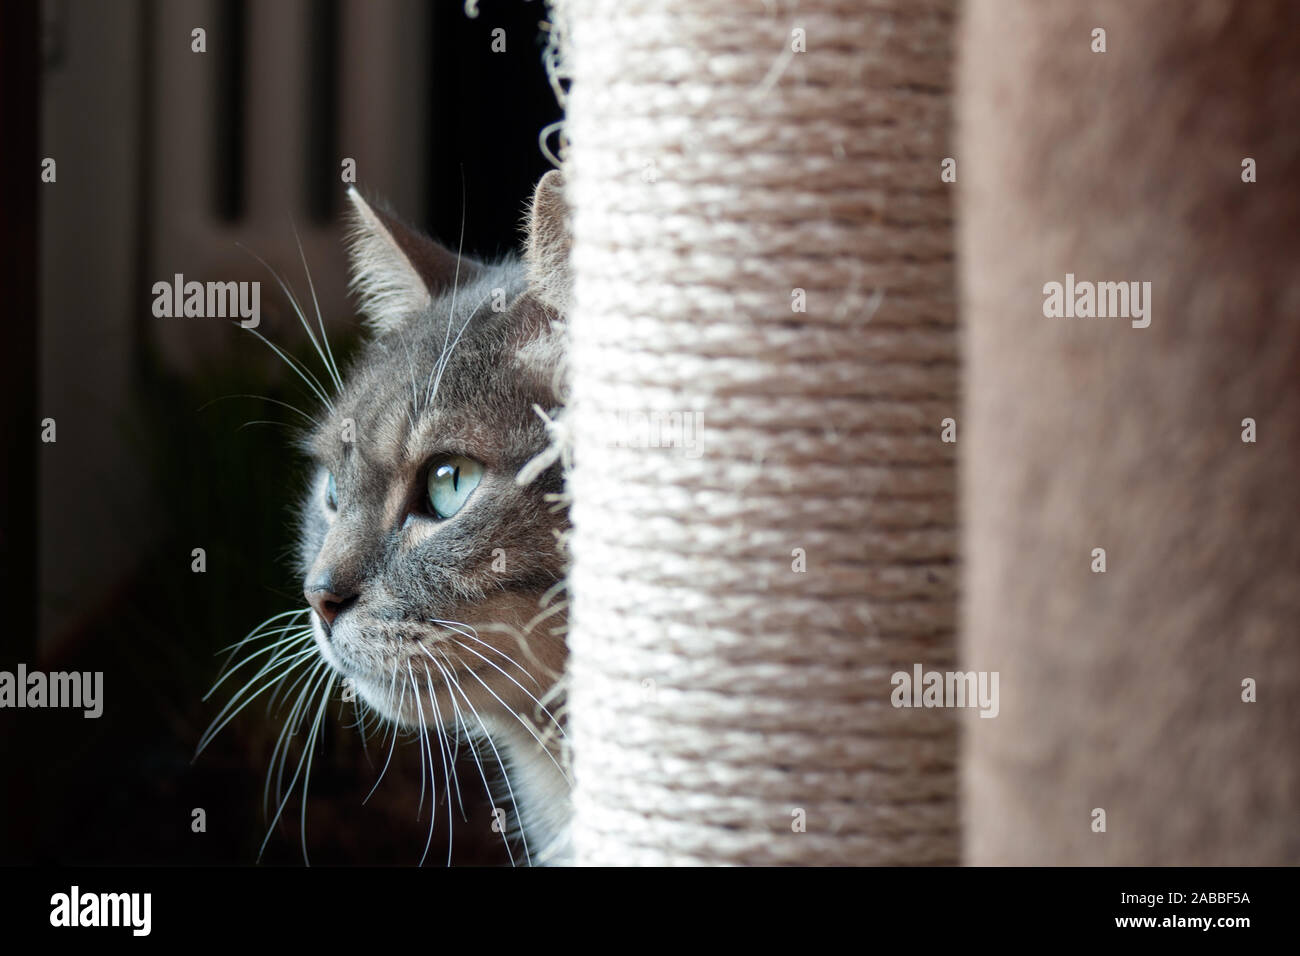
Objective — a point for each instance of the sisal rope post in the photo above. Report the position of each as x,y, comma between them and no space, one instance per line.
763,351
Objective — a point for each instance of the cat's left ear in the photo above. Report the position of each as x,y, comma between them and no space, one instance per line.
544,305
549,240
396,269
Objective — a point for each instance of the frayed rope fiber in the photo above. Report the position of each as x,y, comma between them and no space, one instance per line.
725,706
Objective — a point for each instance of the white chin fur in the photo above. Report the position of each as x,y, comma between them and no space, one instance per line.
540,790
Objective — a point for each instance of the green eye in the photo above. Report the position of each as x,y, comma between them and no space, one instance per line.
331,493
451,481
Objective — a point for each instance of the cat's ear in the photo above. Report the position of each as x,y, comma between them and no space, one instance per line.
544,304
396,269
549,239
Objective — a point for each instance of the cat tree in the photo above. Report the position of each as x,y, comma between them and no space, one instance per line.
764,357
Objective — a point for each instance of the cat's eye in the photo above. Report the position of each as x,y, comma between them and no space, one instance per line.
451,481
331,493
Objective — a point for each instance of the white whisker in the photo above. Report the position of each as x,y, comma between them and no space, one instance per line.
419,737
447,773
310,748
319,388
234,705
505,776
394,733
539,704
330,365
328,675
472,634
455,286
449,680
286,732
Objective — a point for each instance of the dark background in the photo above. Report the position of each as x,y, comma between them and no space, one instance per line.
169,161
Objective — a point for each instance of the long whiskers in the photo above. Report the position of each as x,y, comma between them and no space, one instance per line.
309,751
327,679
394,735
303,372
264,398
455,282
527,725
460,722
465,630
280,753
448,772
279,656
328,358
419,710
505,776
445,358
458,628
300,370
286,654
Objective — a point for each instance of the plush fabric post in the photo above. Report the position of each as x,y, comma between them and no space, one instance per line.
1122,691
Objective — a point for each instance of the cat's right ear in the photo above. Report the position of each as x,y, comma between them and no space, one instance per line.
396,269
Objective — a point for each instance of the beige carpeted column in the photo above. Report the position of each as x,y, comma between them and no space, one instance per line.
1122,691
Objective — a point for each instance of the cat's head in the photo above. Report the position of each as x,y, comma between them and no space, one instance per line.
424,560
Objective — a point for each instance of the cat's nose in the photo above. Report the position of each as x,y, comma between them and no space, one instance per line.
324,597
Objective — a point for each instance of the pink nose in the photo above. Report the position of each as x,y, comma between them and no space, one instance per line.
326,603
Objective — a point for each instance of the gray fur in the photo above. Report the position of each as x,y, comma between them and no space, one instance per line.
446,374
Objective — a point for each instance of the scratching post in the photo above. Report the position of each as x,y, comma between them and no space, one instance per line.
1122,690
763,353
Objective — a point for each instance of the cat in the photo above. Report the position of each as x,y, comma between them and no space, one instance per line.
432,527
